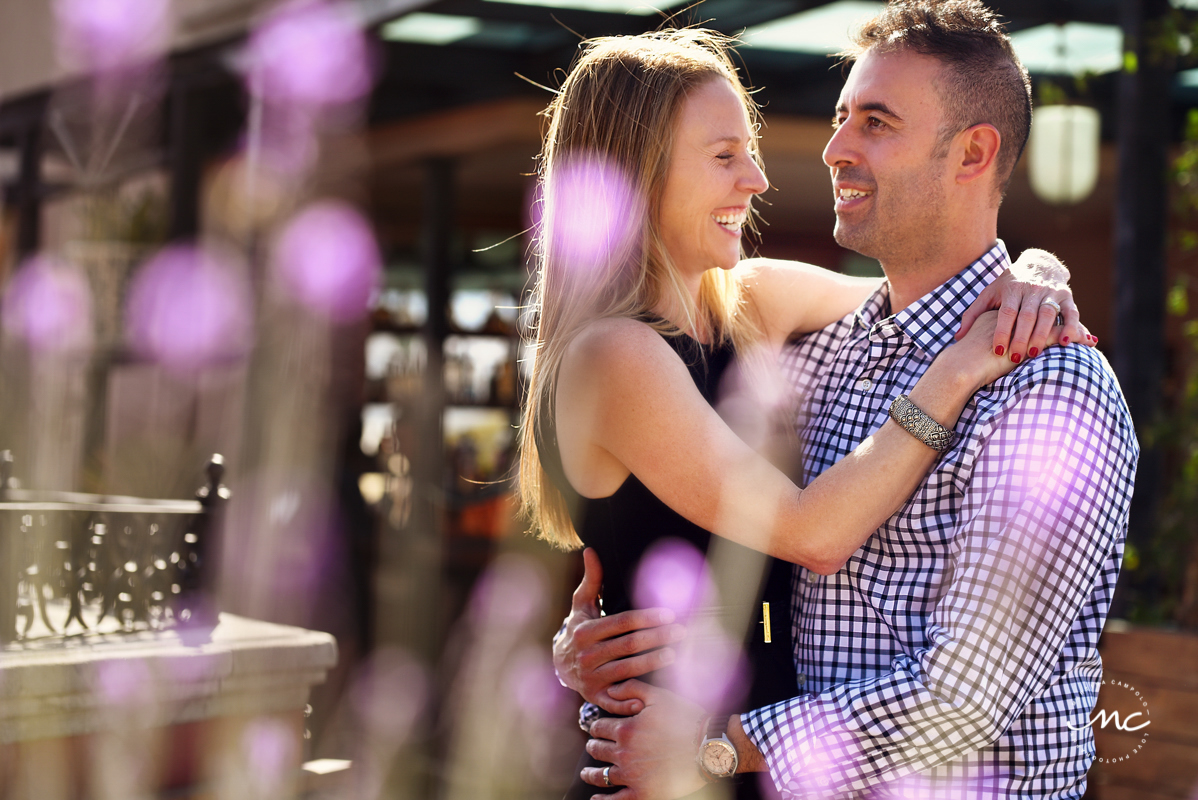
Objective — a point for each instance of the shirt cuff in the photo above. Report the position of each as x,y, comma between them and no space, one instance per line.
783,734
587,716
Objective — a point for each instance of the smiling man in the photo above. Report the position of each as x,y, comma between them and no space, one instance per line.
949,656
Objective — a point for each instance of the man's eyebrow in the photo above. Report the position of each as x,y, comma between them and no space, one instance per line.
876,105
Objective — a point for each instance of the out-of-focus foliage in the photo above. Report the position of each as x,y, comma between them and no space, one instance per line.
133,217
1173,552
1170,561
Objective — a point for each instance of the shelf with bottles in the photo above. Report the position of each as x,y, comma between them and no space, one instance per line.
482,351
480,370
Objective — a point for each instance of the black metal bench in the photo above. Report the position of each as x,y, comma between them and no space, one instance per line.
71,560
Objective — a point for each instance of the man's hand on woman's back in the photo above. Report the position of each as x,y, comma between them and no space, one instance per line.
593,652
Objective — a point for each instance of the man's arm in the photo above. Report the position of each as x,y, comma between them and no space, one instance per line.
1045,507
592,652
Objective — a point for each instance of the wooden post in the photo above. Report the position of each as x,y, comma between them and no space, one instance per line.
29,192
200,593
186,160
420,542
10,565
1141,216
437,236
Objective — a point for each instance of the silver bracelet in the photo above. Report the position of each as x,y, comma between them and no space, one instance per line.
920,425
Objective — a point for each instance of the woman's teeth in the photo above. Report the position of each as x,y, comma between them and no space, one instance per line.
849,194
731,222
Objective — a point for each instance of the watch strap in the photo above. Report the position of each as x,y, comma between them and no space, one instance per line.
715,729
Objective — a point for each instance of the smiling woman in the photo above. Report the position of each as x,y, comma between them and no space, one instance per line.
711,181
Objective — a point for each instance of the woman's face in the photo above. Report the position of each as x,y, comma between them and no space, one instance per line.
711,180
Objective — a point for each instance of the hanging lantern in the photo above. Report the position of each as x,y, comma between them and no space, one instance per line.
1063,153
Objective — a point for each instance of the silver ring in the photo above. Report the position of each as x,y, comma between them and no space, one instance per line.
607,776
1048,301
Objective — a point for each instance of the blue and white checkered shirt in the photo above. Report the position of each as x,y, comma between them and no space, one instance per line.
945,659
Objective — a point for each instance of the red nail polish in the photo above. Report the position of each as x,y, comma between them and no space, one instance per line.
1015,358
998,351
1064,340
1035,351
1095,338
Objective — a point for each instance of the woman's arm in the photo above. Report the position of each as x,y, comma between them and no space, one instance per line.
626,403
793,297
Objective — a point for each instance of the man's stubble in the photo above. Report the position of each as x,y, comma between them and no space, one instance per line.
906,226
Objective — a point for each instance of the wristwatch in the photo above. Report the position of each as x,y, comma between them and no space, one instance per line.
717,757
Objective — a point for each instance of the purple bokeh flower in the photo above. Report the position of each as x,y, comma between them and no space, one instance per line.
594,214
509,594
710,668
328,260
123,682
673,574
102,35
309,53
188,309
48,304
389,695
307,65
530,679
282,566
271,753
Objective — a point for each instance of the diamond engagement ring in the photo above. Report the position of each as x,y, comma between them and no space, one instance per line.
607,776
1048,301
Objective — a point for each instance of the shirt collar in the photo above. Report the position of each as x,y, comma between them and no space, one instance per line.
932,320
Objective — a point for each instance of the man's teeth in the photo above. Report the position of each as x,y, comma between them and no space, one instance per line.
732,222
849,194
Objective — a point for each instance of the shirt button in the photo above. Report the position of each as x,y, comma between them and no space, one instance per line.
801,679
865,384
813,577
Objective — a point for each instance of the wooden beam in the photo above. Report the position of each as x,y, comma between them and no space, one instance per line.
456,132
795,136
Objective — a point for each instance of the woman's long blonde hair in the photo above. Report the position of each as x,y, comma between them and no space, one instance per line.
607,147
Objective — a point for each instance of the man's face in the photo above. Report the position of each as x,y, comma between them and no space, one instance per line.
889,188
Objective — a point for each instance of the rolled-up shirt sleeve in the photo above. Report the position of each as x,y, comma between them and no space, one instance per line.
1042,510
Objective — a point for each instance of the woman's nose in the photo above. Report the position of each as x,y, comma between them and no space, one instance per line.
754,180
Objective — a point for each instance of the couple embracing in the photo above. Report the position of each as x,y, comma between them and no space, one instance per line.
939,571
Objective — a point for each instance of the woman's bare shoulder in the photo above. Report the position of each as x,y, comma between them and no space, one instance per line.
616,341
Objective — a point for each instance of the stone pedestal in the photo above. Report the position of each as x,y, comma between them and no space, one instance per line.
218,714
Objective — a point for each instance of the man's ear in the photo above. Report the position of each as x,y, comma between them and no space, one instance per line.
978,149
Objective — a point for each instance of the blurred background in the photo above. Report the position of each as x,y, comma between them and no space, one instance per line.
297,234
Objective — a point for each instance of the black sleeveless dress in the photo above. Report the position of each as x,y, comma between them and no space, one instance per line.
623,526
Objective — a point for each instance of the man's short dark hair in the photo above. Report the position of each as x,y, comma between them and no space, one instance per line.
983,81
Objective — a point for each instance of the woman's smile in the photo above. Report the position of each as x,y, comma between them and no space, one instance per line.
712,178
731,219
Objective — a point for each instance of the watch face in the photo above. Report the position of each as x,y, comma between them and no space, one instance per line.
719,758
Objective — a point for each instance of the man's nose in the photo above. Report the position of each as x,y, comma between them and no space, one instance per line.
840,152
